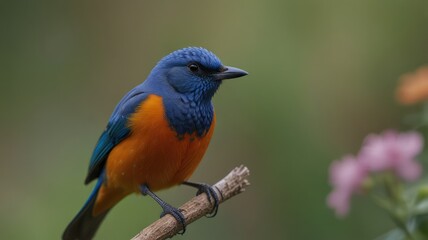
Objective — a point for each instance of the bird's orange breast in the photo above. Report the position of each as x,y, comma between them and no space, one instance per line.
153,154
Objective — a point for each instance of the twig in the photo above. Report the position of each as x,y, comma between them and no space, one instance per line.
166,227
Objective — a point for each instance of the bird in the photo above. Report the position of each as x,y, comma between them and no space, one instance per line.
155,138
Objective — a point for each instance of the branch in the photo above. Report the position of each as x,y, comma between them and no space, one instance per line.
166,227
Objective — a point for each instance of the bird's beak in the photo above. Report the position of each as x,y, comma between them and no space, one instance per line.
230,72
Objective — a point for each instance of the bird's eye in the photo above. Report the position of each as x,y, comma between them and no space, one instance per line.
193,67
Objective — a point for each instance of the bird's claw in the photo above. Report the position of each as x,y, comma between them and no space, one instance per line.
166,208
177,214
212,197
211,194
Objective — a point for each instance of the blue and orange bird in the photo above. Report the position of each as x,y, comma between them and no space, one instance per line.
155,137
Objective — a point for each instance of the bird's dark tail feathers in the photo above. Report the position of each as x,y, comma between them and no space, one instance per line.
84,225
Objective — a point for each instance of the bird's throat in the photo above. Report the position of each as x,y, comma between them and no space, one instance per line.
189,116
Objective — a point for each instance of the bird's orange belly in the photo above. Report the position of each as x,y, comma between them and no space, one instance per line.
153,154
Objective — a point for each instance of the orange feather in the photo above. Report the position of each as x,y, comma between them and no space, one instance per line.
152,154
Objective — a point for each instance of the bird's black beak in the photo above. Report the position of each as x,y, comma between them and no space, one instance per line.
230,72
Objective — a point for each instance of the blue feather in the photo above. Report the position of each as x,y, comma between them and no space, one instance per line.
84,225
117,129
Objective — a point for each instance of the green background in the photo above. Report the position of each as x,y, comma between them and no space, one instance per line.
322,76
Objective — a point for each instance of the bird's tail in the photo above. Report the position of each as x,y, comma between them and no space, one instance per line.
84,225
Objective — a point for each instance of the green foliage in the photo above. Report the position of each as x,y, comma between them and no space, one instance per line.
416,222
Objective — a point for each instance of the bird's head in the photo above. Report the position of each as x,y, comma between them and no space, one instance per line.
194,71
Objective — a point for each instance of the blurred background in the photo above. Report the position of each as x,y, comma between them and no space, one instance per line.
322,76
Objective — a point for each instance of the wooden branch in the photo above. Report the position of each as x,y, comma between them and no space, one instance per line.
166,227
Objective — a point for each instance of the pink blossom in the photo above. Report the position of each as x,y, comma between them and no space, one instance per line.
393,151
346,176
389,151
339,201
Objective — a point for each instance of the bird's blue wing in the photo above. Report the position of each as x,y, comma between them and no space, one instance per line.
117,129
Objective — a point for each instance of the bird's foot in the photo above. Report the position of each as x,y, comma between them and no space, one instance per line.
211,194
166,208
177,214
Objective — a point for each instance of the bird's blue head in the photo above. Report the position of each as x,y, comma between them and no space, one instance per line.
194,72
187,80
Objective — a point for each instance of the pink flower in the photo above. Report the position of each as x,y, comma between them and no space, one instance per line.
346,176
389,151
394,152
339,201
